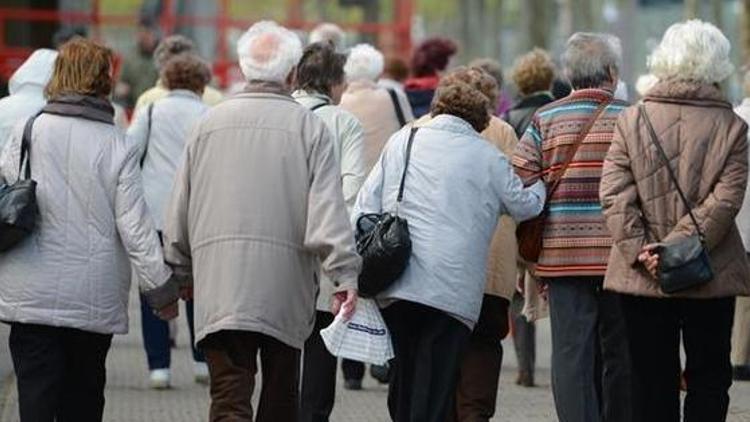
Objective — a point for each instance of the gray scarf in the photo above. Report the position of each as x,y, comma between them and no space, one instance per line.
83,106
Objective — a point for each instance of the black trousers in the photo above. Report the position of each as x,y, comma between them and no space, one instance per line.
60,372
429,346
352,369
476,394
654,330
591,375
318,375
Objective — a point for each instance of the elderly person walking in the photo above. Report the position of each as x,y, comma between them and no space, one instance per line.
26,88
741,330
432,308
380,110
168,48
64,290
320,83
428,61
706,146
257,207
586,322
161,130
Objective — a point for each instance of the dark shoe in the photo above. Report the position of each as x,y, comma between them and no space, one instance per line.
741,373
354,385
525,379
382,373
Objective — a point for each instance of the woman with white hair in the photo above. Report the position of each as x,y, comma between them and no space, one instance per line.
675,176
381,111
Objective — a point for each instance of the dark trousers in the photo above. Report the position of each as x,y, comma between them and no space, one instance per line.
156,336
60,372
654,329
318,375
429,346
524,337
476,393
591,375
232,365
352,369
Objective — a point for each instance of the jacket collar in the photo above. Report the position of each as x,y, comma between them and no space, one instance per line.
360,85
451,123
688,93
534,100
422,83
83,106
184,93
599,94
266,87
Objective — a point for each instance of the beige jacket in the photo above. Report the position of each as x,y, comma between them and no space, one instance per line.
707,146
374,108
257,205
501,262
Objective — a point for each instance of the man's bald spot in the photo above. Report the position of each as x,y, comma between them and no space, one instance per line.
264,47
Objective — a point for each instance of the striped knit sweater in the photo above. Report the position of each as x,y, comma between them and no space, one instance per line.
576,240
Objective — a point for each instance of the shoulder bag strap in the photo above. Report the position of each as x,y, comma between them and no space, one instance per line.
317,106
150,117
397,107
26,148
665,158
581,136
406,164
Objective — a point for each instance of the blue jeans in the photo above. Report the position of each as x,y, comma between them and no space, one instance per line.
156,336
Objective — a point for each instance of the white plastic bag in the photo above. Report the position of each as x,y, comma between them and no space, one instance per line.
364,338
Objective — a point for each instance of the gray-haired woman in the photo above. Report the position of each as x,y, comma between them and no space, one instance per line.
706,147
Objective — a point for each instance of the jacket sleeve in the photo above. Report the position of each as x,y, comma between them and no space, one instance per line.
370,198
176,229
138,131
9,156
717,212
139,237
619,198
521,203
352,161
328,231
527,159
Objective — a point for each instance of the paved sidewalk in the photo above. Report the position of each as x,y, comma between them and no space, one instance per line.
129,399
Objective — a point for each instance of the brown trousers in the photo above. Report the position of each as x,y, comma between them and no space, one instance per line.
476,393
232,363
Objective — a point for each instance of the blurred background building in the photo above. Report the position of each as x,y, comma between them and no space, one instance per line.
501,29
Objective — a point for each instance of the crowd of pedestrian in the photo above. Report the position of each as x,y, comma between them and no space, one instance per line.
245,206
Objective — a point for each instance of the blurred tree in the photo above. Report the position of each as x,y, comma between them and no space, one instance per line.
717,7
745,32
691,9
536,15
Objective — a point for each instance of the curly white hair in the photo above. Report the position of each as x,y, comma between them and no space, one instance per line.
268,52
365,62
693,50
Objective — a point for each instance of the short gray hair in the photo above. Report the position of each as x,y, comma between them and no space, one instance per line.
590,59
268,52
365,62
694,51
170,47
328,32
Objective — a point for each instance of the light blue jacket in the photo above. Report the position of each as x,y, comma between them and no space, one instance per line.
457,185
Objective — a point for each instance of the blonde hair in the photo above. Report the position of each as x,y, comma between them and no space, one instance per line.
82,67
533,72
693,50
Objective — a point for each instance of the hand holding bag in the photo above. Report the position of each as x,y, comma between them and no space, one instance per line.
530,233
684,263
384,243
18,207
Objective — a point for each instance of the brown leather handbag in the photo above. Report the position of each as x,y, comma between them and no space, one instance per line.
530,232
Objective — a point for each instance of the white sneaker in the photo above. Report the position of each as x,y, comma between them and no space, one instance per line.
158,379
200,370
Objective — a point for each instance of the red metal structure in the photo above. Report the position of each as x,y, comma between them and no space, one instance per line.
394,36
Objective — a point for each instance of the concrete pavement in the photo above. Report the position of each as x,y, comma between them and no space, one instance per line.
129,399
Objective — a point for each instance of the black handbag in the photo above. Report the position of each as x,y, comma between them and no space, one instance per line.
684,263
18,207
384,243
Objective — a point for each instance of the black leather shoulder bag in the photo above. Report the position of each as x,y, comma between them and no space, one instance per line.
18,207
684,263
384,242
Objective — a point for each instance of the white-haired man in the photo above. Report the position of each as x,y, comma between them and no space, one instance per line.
257,206
382,111
568,139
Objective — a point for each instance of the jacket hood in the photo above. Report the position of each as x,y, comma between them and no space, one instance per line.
688,93
35,71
